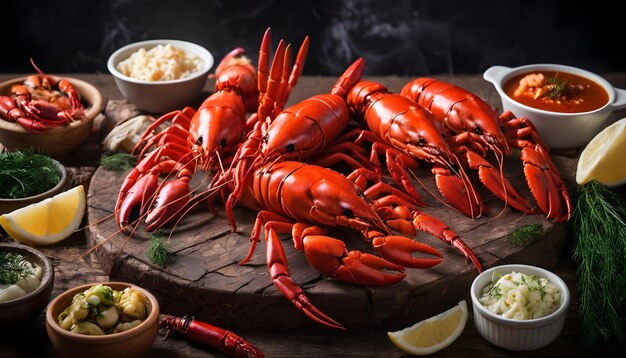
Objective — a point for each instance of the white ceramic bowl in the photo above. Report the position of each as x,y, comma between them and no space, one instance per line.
161,96
559,130
518,335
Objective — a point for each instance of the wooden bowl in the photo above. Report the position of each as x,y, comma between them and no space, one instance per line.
60,141
136,341
9,205
25,309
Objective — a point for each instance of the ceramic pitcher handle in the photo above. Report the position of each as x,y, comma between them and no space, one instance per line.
620,99
495,74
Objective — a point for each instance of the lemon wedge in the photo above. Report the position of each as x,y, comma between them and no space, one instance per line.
433,334
48,221
602,158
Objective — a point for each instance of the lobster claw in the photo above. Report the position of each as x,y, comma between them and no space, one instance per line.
401,250
136,199
461,195
545,184
171,199
497,183
330,257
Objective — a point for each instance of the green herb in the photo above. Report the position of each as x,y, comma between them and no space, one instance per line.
558,89
598,226
13,267
24,174
118,162
526,234
158,252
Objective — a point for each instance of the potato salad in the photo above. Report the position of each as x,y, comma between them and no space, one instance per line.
521,297
101,310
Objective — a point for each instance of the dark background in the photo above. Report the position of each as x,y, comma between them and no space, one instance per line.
427,37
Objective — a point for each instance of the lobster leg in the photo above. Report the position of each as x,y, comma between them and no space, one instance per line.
180,118
275,87
331,258
541,174
545,184
204,333
277,264
497,183
408,222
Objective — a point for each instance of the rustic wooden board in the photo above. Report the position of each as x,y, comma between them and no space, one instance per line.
206,280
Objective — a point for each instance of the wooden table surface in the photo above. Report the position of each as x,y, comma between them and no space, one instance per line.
71,269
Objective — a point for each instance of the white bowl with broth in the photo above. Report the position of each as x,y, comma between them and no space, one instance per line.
559,130
162,95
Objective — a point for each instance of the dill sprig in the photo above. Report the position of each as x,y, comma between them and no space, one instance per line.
13,267
598,225
526,234
24,174
159,251
558,89
118,162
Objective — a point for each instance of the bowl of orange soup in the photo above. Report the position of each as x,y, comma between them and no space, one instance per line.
567,105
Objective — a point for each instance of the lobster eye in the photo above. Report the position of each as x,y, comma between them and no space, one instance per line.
199,141
478,131
422,141
265,138
347,212
223,142
290,147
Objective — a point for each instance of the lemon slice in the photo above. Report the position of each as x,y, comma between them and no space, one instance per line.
433,334
48,221
602,158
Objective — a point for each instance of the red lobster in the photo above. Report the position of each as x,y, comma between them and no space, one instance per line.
405,132
305,200
306,131
38,106
204,333
196,136
476,128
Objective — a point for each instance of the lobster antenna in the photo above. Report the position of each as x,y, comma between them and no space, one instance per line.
429,191
32,62
471,194
500,159
208,191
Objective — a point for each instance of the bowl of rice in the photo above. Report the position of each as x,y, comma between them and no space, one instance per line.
159,76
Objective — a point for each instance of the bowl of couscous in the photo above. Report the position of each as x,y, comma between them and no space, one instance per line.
159,76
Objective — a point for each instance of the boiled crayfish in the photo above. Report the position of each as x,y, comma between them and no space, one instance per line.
474,129
41,103
408,135
307,131
305,200
195,137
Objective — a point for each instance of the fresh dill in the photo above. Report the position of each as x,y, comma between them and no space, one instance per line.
558,87
159,251
598,226
24,174
118,162
13,267
526,234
